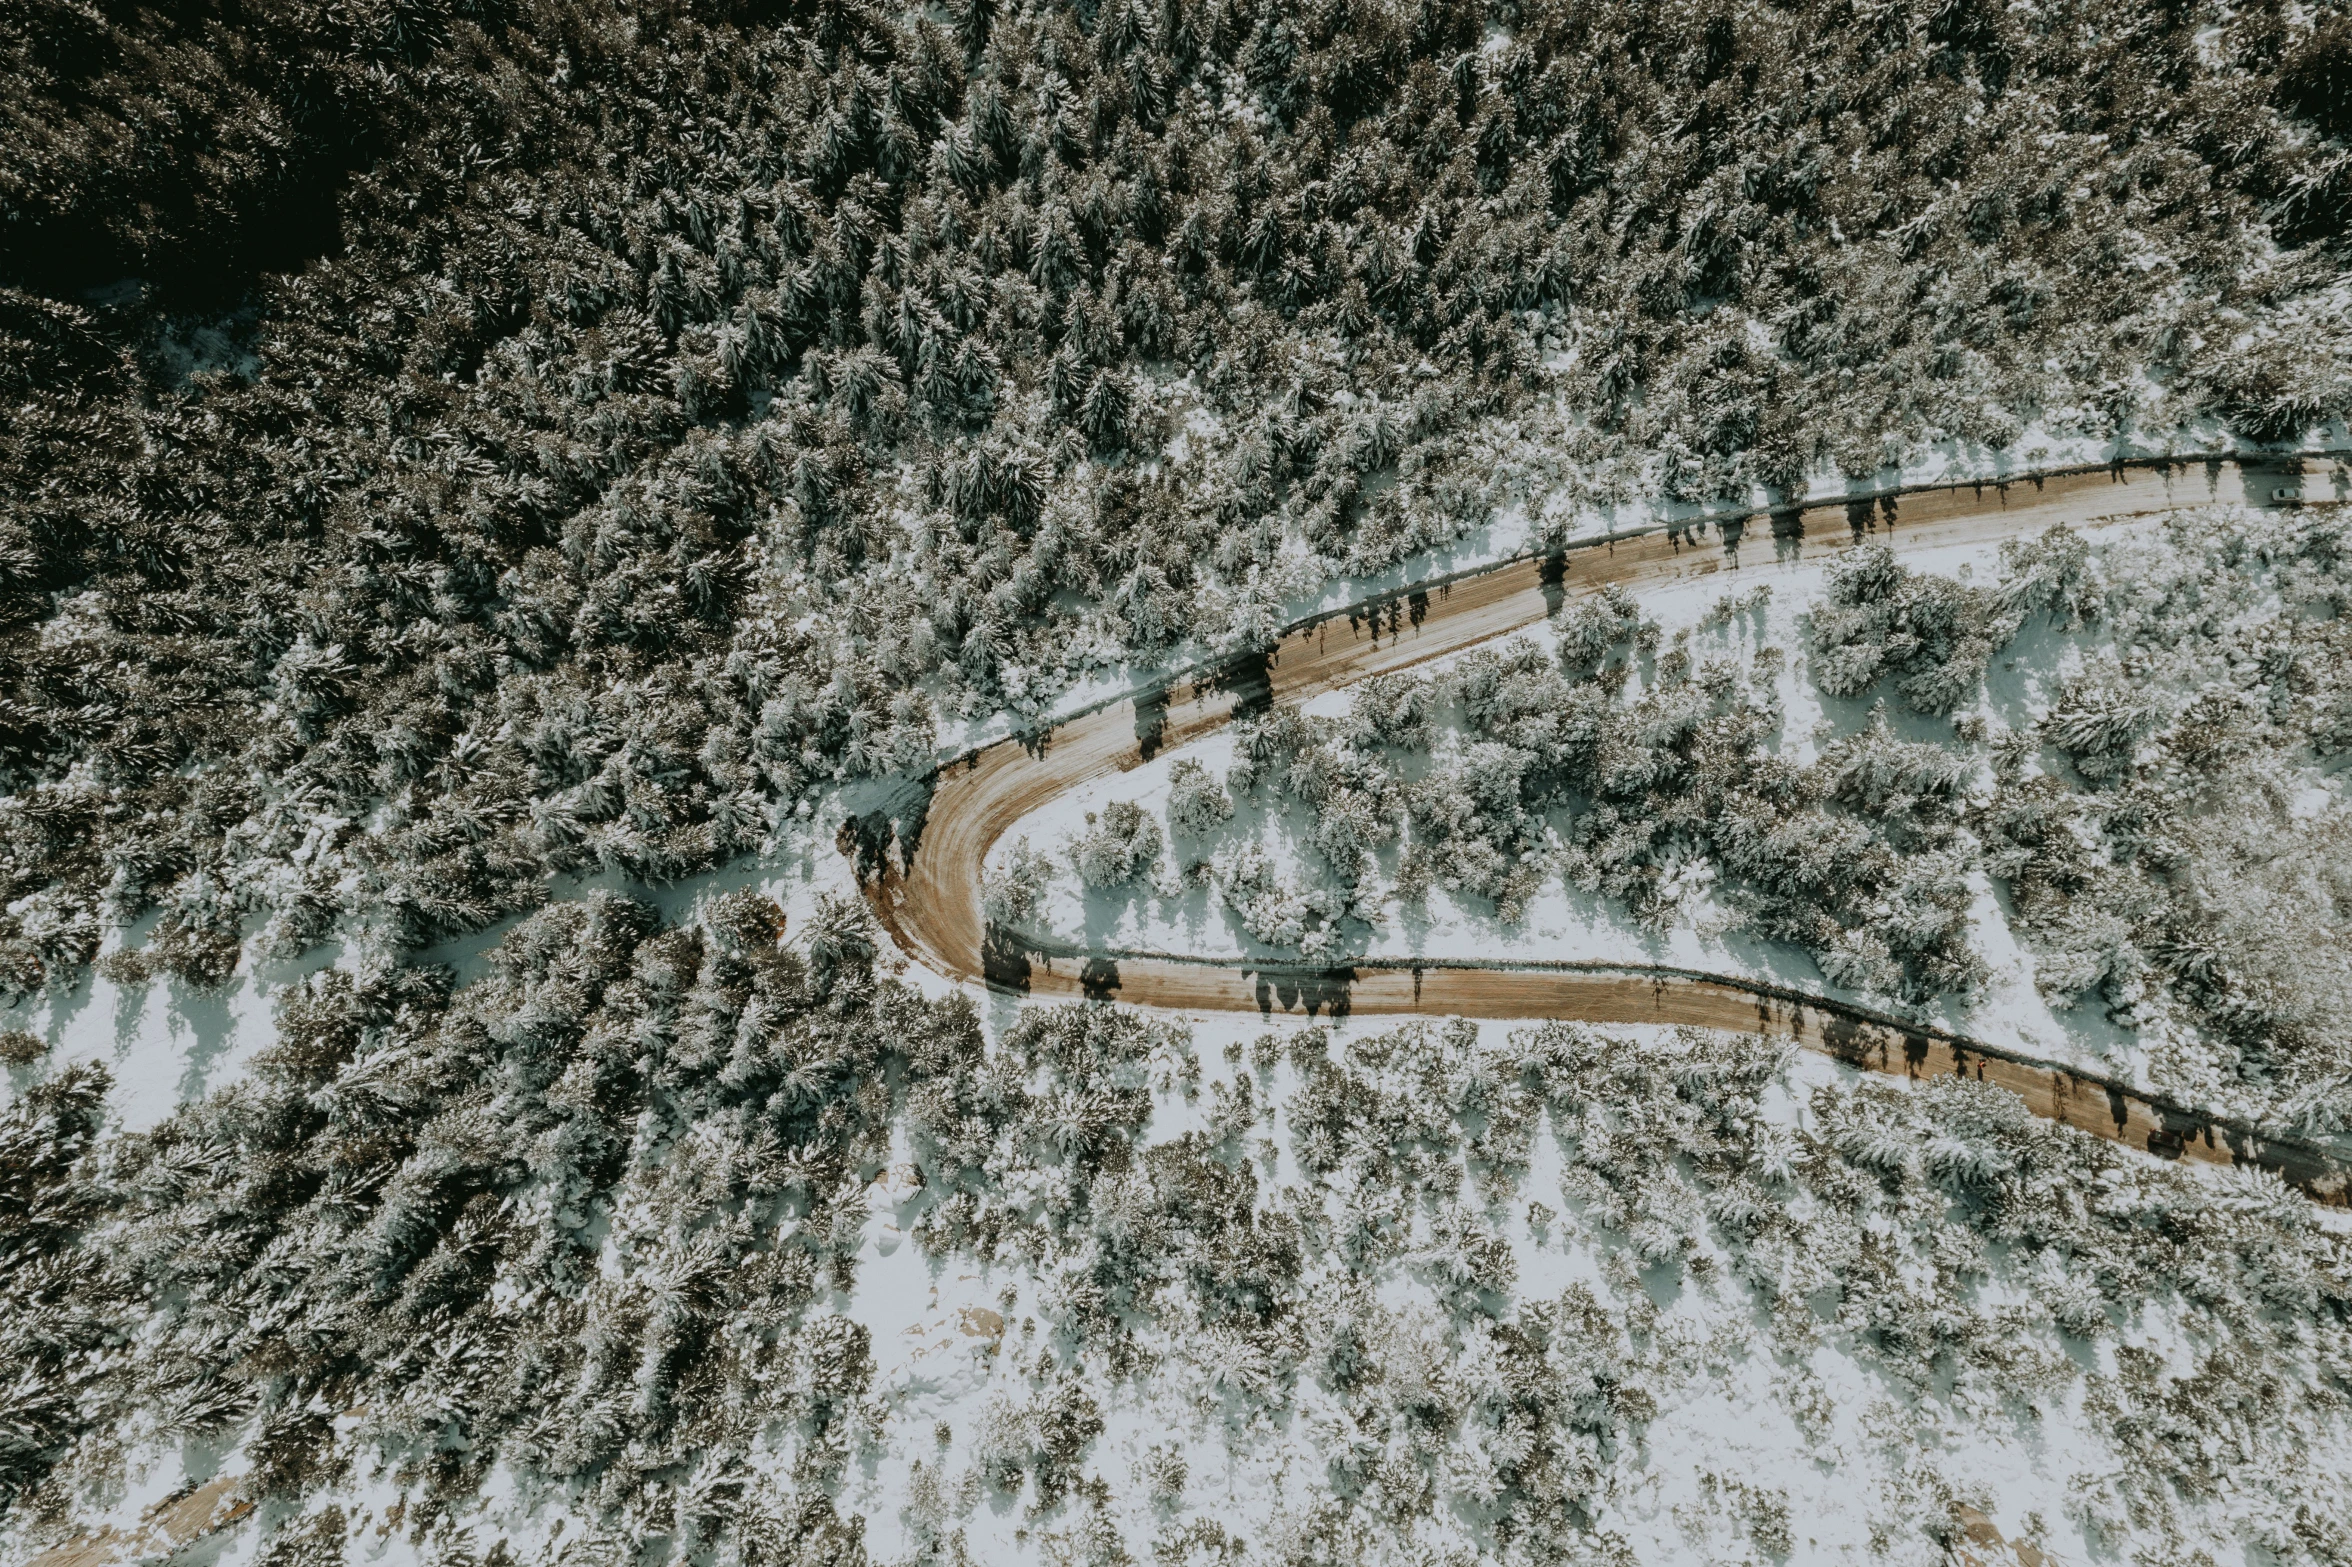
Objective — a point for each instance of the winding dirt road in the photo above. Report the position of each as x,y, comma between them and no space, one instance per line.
926,890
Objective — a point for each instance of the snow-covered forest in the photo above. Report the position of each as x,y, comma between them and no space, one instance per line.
677,412
2110,764
721,1252
493,494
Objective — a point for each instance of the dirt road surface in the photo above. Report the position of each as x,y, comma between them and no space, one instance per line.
928,895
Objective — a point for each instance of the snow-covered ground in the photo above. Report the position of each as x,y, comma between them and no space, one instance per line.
1768,1430
1746,1438
1727,1423
167,1042
1822,1440
1564,510
1181,914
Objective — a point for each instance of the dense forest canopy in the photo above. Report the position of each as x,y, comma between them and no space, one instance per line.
448,446
583,1241
610,424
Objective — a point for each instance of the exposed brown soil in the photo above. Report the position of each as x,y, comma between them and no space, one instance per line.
929,898
167,1527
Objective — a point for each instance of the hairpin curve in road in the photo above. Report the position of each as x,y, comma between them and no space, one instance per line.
927,893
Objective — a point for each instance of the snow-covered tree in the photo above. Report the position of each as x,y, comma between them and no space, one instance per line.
1932,636
1197,804
1012,892
1117,845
